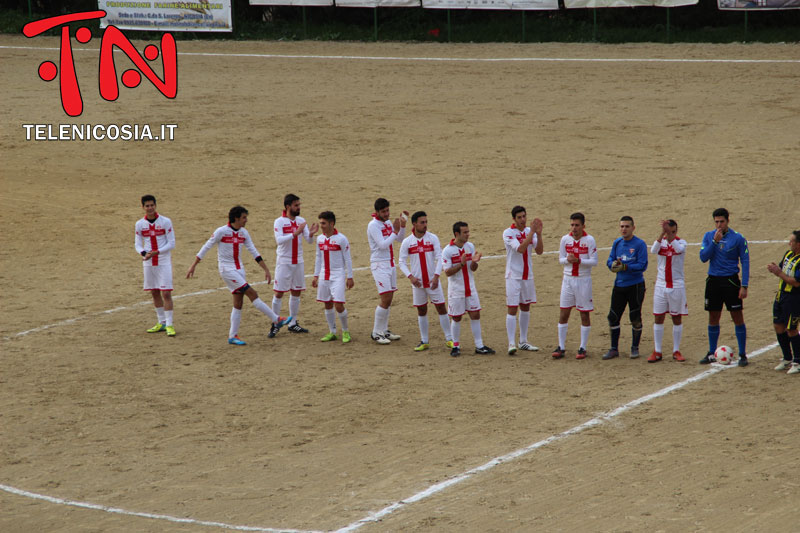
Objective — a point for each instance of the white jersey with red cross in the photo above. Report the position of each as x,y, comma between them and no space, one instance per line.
290,248
425,255
381,235
155,236
333,256
462,283
229,249
671,255
518,265
584,249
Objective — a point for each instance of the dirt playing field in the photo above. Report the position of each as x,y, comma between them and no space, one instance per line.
291,433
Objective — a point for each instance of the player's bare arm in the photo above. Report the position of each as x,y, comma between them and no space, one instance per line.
190,273
435,282
350,283
537,226
265,268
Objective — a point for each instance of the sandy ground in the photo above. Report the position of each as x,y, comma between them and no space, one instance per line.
291,433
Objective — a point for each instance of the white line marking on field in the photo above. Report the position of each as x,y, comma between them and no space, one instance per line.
209,291
597,421
447,59
116,510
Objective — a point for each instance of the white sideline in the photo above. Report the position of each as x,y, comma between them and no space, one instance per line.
448,59
419,496
209,291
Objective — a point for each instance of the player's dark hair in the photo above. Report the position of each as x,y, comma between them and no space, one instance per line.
416,216
627,218
329,216
148,198
578,216
721,212
796,234
289,199
235,213
457,227
672,224
381,203
517,209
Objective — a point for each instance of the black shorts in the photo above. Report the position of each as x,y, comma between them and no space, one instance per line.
786,309
723,289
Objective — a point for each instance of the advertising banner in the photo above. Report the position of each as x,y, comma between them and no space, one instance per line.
527,5
578,4
191,15
757,5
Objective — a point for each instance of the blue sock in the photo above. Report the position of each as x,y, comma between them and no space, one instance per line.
713,337
741,338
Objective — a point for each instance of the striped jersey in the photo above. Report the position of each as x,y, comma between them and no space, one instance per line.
290,248
229,243
584,248
671,255
518,265
155,235
425,256
333,256
790,264
462,283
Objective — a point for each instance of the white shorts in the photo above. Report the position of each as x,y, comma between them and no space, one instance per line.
385,277
672,301
234,279
158,278
331,290
421,295
289,278
459,306
576,292
520,291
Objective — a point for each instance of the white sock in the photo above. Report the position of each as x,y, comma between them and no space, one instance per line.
476,332
343,320
658,336
160,315
511,328
276,305
677,333
455,331
376,324
385,323
294,308
444,321
264,308
524,321
423,328
168,318
236,319
330,316
562,336
585,335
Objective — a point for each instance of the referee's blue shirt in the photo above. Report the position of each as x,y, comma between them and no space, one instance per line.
724,256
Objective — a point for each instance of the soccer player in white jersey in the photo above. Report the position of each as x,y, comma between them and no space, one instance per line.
290,230
670,291
229,240
459,262
423,250
578,253
520,242
154,241
333,272
381,234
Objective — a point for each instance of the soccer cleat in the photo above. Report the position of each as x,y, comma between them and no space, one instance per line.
422,346
581,354
273,330
611,354
634,352
297,328
708,359
742,360
528,347
795,369
512,349
678,356
345,336
655,357
558,353
484,350
236,340
783,365
455,352
170,331
329,337
380,339
449,344
158,327
391,336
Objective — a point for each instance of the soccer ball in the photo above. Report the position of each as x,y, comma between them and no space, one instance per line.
724,355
